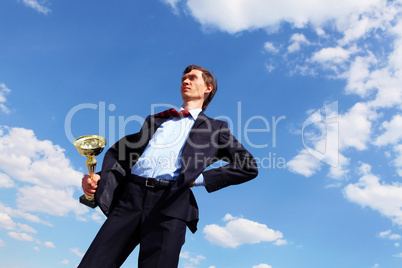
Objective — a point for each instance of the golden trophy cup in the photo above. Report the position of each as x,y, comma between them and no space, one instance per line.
90,146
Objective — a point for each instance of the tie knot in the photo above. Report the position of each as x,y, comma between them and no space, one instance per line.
173,113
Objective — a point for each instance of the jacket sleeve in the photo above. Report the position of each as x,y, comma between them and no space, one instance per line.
241,165
117,165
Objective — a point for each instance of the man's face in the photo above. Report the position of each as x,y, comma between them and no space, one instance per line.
193,86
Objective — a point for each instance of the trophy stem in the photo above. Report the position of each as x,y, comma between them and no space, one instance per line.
91,164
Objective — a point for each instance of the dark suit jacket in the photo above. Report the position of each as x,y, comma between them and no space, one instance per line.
209,141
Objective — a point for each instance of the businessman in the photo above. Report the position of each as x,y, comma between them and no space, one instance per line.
144,185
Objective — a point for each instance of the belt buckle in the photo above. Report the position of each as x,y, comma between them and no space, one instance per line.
147,184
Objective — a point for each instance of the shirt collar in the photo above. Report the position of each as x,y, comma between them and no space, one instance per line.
194,113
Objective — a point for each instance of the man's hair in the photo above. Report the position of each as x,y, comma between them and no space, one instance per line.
209,79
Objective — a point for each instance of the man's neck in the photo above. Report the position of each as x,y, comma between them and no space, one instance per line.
191,105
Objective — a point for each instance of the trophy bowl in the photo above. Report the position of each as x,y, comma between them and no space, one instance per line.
90,146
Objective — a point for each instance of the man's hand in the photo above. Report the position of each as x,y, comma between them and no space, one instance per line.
192,184
89,184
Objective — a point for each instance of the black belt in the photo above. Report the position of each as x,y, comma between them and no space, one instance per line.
151,182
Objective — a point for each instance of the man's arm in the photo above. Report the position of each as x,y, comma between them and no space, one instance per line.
117,163
241,165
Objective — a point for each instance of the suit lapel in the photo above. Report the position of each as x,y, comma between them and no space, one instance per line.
200,119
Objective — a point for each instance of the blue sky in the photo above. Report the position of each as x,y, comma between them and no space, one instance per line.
313,89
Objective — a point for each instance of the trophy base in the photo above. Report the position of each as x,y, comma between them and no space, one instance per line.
85,201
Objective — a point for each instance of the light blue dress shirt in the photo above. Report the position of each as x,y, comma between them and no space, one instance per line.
161,158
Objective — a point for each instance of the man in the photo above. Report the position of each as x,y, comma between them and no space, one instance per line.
144,186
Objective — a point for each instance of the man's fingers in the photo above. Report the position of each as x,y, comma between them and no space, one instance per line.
89,192
89,184
96,178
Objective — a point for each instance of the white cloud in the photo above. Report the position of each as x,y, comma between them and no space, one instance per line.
330,55
21,236
6,181
382,197
376,76
21,214
340,171
392,134
320,137
2,243
6,222
98,216
358,26
389,235
384,234
239,231
398,160
173,5
37,6
281,242
36,199
25,158
355,127
241,15
399,255
270,47
358,74
262,265
4,90
185,254
66,262
303,70
43,168
297,40
385,78
190,259
26,228
327,137
395,237
269,67
49,244
77,252
363,169
304,163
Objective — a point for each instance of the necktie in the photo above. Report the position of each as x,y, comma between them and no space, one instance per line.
173,113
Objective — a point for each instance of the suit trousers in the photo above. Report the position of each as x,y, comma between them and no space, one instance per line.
136,219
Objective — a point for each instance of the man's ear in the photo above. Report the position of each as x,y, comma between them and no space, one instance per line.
209,89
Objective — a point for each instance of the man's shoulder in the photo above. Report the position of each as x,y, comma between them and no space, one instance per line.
215,122
213,119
